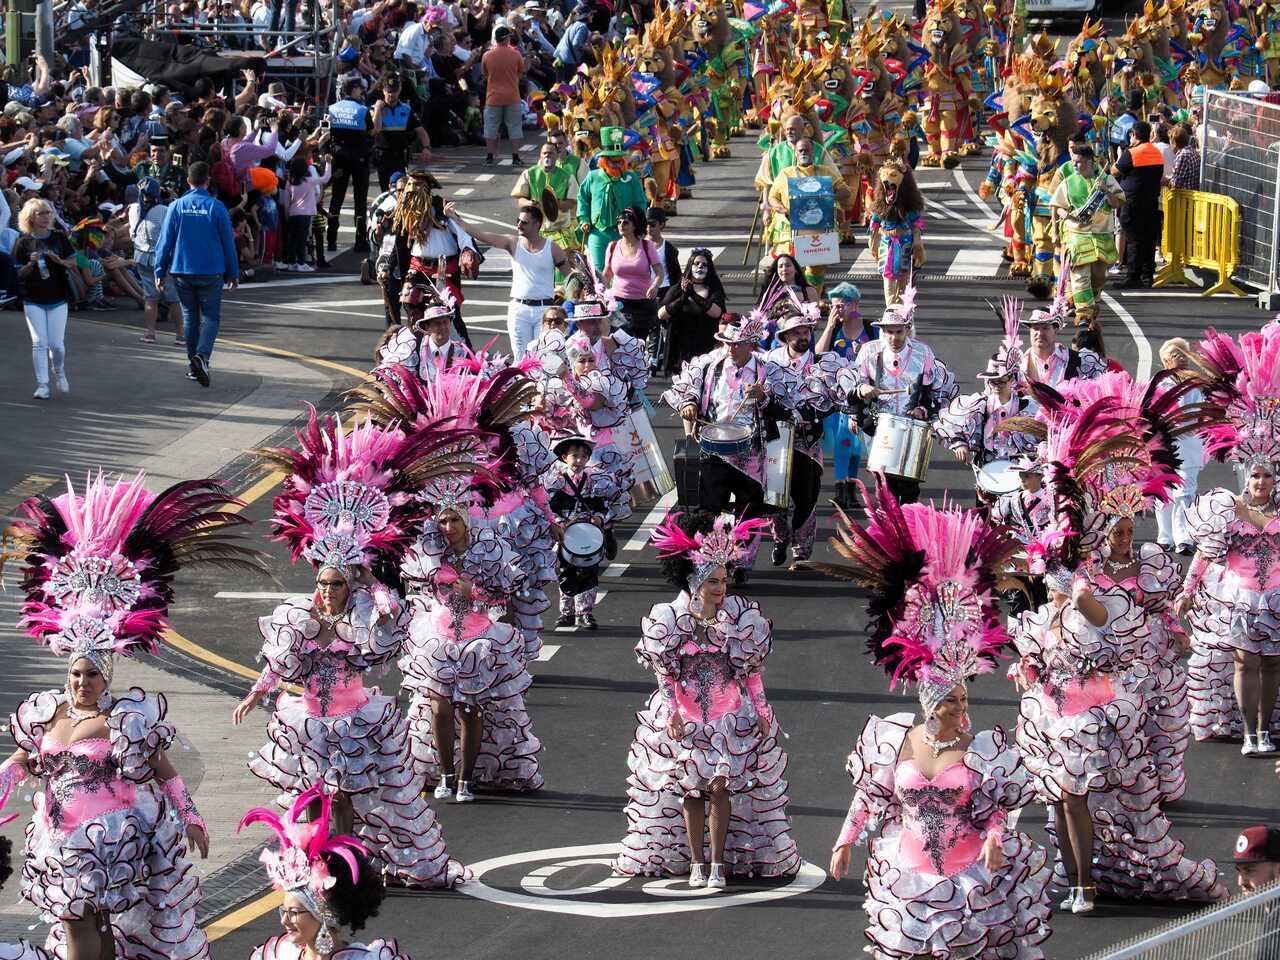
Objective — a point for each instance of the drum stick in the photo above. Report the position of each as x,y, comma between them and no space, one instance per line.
751,236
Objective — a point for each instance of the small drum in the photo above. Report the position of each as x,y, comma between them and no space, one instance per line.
583,544
778,457
997,478
635,437
901,447
725,439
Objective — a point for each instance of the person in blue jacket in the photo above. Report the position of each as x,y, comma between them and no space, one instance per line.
197,247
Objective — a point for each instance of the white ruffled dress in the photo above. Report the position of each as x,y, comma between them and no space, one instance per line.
712,676
459,651
347,738
278,948
104,839
927,894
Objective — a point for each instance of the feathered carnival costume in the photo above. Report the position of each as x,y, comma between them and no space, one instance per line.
21,949
349,504
106,837
935,623
1234,579
709,674
304,866
1083,718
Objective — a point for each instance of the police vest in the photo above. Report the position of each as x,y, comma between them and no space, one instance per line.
349,115
395,118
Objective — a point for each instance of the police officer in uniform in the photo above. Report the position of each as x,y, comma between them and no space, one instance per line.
351,133
395,125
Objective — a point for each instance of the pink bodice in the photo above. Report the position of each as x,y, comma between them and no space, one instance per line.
335,687
938,835
81,781
1253,556
705,688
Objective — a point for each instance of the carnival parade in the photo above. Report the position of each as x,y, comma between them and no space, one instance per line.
847,531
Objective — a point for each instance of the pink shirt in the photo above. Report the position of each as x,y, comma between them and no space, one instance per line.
300,199
632,276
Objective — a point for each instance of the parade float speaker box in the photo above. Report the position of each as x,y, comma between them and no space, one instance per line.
687,467
813,221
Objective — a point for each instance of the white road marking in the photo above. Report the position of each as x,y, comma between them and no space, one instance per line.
482,178
983,262
547,652
463,192
641,537
951,215
253,595
932,184
1139,338
615,570
290,306
973,194
956,201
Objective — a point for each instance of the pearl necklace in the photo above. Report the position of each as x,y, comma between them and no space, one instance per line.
938,746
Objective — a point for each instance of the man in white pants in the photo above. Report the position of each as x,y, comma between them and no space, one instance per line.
534,261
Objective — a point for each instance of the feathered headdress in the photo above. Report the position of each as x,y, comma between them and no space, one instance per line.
350,495
1244,380
1008,357
934,616
724,545
299,866
1059,309
100,563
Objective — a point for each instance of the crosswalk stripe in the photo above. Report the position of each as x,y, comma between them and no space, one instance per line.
547,652
463,192
483,177
981,262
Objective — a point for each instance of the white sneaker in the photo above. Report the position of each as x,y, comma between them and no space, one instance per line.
716,881
42,392
697,879
286,267
1084,902
304,268
1264,742
443,790
464,794
1248,748
64,385
1070,901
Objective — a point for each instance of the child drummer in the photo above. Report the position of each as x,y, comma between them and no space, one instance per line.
578,491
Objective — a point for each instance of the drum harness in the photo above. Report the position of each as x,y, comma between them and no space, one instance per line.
865,413
762,428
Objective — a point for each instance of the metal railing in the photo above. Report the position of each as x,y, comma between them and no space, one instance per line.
1242,928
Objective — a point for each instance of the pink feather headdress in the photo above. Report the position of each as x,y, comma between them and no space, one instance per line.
350,495
100,563
723,545
933,572
1245,380
299,867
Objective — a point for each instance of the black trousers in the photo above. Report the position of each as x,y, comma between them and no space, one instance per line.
357,175
721,483
391,299
1140,239
389,163
907,491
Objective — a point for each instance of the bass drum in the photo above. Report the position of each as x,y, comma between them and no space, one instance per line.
649,467
901,447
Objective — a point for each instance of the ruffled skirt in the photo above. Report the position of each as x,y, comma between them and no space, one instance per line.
1234,618
508,755
22,951
131,864
664,772
971,914
1210,675
474,670
530,534
364,755
1163,686
1100,748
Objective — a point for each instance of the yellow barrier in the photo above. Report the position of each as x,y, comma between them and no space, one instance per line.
1200,230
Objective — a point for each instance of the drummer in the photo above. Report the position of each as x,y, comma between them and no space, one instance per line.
579,491
1026,512
970,426
898,375
617,352
1050,362
733,391
809,393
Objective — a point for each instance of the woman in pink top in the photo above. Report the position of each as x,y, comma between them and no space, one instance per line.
301,191
240,151
633,270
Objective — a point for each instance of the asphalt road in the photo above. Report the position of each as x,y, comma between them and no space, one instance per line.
545,891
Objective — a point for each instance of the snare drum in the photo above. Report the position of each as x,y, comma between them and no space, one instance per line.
997,478
725,439
583,544
648,465
778,457
901,447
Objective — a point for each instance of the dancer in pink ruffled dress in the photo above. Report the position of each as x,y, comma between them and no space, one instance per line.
106,850
346,506
1231,595
465,669
708,739
21,950
1081,729
330,887
945,878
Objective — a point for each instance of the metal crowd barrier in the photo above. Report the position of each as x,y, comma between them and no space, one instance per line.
1200,230
1242,928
